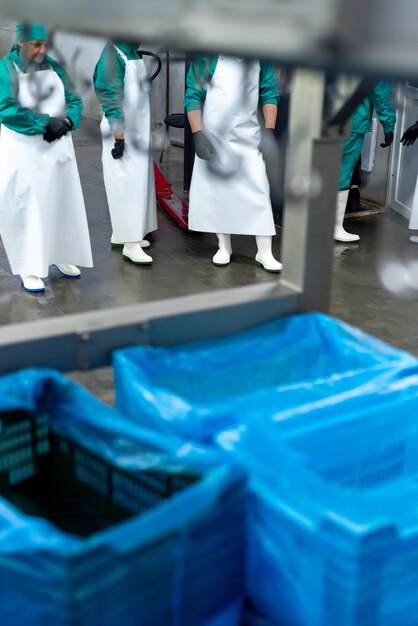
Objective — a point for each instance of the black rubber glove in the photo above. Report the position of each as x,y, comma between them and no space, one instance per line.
56,128
118,149
266,141
202,146
388,140
409,136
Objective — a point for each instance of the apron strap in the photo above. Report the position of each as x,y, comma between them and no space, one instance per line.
122,54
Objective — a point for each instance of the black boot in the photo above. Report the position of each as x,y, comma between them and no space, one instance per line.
353,202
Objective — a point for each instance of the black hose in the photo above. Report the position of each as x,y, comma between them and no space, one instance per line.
157,58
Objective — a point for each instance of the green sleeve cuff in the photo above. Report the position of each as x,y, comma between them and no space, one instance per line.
42,122
388,128
116,124
272,100
194,106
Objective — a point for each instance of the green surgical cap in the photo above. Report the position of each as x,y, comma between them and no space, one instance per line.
32,32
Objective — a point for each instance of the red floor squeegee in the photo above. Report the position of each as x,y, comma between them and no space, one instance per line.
170,202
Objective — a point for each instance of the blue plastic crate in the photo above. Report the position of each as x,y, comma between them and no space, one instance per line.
198,389
251,618
153,533
333,535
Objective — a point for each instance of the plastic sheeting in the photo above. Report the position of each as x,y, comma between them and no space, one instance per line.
324,420
334,515
178,564
198,389
251,618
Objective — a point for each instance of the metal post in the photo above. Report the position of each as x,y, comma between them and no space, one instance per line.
311,182
167,83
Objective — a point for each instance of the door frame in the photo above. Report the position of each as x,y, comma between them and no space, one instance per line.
402,92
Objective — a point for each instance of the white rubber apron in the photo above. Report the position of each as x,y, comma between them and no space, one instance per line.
42,213
240,203
413,220
129,181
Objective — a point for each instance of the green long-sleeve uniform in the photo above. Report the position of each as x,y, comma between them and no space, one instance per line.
24,120
381,101
109,81
201,72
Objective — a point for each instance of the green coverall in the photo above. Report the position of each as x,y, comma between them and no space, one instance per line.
380,100
109,81
203,69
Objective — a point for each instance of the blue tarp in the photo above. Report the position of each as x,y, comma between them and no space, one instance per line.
324,419
334,514
196,390
154,568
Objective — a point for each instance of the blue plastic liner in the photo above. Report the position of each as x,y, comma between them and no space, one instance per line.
334,512
179,563
196,390
324,419
251,618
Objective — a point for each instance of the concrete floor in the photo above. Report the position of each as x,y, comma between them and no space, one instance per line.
358,295
182,265
182,260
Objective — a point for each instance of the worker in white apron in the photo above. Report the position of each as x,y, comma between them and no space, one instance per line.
229,192
121,84
408,139
42,214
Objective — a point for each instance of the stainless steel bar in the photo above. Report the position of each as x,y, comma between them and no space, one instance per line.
317,280
87,340
376,37
305,123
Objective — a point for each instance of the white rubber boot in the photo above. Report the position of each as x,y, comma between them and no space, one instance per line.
32,283
144,243
134,253
223,256
339,233
67,270
413,239
264,257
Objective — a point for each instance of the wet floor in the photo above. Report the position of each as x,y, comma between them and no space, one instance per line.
182,260
182,265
